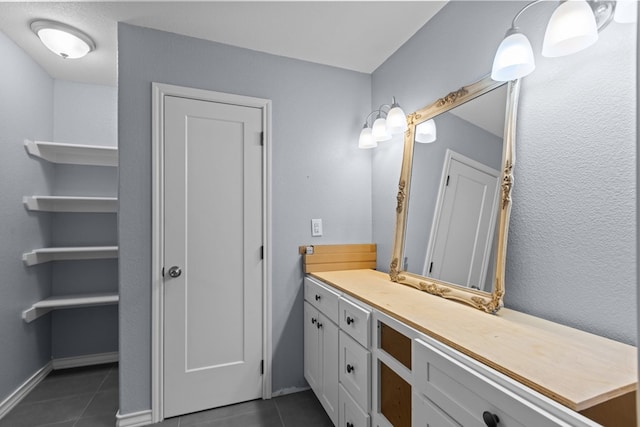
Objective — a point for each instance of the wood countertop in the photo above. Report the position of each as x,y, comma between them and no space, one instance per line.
575,368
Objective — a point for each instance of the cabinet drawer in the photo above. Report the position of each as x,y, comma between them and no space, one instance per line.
354,320
351,415
355,370
465,395
425,414
322,298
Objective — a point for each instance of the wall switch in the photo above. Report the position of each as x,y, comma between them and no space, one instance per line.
316,227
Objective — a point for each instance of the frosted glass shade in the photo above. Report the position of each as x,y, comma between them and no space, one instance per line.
396,120
571,28
379,130
63,40
426,132
366,139
514,58
626,11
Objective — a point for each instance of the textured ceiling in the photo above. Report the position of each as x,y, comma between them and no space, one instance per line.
356,35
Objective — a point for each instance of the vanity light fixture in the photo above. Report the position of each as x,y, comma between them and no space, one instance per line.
63,40
426,132
573,26
390,120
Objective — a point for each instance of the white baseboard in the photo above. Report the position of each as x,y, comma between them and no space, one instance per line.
135,419
87,360
14,398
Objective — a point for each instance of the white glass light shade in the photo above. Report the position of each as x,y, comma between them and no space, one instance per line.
514,58
571,28
396,120
626,11
379,130
63,40
426,131
366,139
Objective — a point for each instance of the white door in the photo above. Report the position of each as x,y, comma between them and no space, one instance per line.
464,222
213,235
311,348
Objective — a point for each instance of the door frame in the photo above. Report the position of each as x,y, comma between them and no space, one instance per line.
159,91
448,157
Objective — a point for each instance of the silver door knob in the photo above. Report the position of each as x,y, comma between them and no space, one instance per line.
175,271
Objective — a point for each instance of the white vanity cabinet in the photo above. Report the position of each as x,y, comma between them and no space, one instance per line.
433,362
321,344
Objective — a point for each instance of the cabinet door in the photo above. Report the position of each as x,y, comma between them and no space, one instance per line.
311,348
329,367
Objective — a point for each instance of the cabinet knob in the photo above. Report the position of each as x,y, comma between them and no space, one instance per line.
349,424
349,320
318,297
350,368
491,420
313,320
319,325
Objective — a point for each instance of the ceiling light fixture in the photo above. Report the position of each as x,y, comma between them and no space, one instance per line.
387,123
573,26
62,39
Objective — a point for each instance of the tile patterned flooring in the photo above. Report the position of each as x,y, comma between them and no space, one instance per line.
88,397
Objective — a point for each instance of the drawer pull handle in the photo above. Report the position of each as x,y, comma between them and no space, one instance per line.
317,297
350,369
350,425
491,420
349,320
319,325
313,320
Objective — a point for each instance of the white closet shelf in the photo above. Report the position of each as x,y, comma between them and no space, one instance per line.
41,308
39,256
71,204
74,154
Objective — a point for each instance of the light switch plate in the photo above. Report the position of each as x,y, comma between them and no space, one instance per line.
316,227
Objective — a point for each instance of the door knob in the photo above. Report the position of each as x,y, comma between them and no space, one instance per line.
491,420
175,271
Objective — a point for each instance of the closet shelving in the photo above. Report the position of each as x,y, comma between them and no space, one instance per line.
71,204
75,154
41,308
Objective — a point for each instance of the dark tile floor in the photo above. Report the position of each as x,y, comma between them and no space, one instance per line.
88,397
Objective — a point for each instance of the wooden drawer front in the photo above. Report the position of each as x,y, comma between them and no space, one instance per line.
351,415
465,394
354,320
355,370
322,298
426,414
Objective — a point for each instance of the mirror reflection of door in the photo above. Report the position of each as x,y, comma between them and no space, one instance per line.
460,245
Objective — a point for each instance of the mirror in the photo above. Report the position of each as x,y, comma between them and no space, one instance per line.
454,201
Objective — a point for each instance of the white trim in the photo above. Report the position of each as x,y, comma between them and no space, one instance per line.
159,91
86,360
134,419
21,392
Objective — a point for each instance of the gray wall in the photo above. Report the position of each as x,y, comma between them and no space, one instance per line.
571,255
84,114
25,112
318,172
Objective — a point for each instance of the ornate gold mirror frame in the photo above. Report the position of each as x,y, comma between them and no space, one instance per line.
490,302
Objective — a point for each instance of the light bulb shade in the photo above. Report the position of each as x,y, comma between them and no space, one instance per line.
396,120
366,139
426,132
626,11
514,58
379,130
571,28
63,40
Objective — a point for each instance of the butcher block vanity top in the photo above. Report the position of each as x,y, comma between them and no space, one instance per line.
575,368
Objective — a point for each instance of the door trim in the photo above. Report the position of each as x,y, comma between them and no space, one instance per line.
159,91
